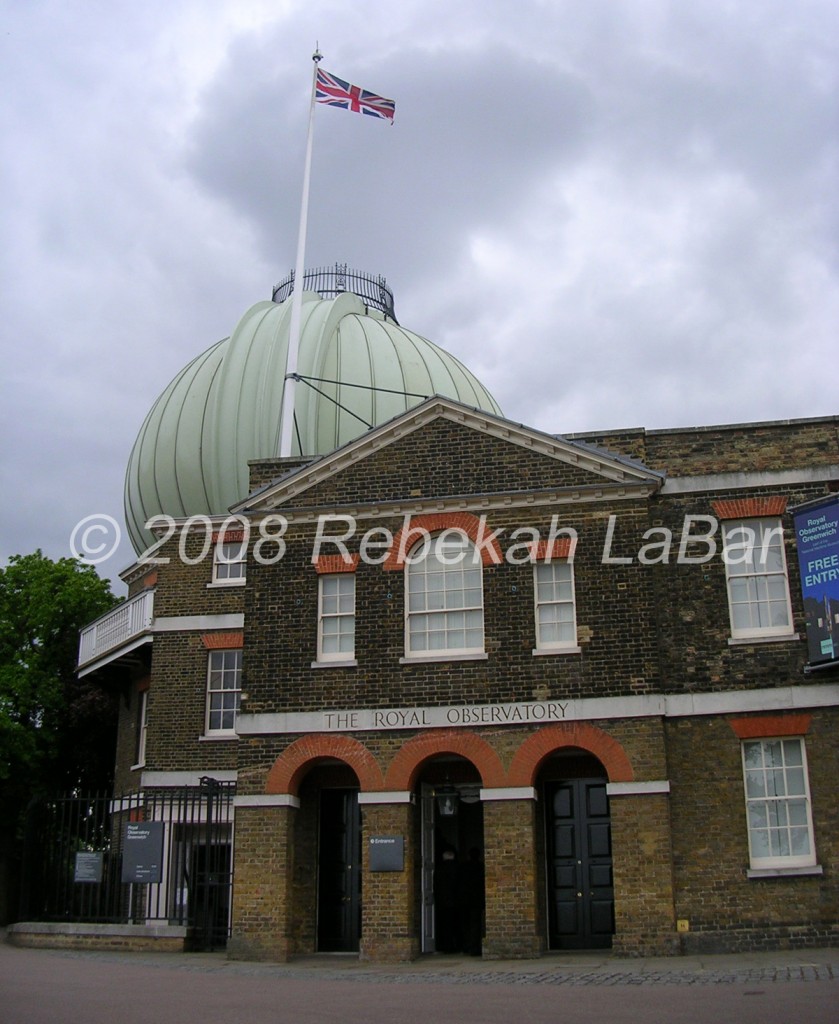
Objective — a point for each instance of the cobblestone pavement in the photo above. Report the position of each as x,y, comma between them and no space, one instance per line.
558,969
47,986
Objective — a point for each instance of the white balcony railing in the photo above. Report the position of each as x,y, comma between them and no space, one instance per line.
115,629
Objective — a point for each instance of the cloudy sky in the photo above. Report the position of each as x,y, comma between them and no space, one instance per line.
615,212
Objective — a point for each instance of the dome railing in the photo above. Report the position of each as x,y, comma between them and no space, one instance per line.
330,282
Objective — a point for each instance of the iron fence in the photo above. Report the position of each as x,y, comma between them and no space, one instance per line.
77,866
330,282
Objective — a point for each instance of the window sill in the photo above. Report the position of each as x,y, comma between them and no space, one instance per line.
213,737
420,659
813,869
777,638
539,652
223,584
348,663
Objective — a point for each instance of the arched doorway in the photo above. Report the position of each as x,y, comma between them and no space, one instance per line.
327,862
577,849
451,877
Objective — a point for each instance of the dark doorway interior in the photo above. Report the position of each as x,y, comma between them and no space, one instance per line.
210,895
339,872
459,878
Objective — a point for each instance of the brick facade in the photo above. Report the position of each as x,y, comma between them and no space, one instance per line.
648,700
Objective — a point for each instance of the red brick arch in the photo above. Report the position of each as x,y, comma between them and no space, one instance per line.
288,770
436,522
550,738
404,768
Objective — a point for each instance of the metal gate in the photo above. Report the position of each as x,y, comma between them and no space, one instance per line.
75,860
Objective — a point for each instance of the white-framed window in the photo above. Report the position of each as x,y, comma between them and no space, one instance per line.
336,616
444,599
778,812
756,572
229,562
142,726
556,615
224,688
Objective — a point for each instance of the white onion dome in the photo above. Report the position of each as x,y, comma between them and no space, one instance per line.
359,368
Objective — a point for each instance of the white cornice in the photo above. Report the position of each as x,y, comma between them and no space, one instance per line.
266,800
177,623
508,793
742,481
525,713
638,788
476,503
395,796
153,780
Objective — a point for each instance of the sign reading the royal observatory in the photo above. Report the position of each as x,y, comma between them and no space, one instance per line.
817,534
373,719
142,852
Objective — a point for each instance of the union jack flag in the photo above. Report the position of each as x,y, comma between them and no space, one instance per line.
337,93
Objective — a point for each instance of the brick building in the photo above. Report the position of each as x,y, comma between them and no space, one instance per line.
483,687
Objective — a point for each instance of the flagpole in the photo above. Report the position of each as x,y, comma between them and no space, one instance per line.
287,425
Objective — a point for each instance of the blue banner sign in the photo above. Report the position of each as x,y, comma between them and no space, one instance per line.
817,534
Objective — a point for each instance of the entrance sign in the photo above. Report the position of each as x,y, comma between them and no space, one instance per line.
817,534
88,867
142,852
387,853
379,719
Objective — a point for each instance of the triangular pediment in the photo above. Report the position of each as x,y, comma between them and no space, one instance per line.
442,450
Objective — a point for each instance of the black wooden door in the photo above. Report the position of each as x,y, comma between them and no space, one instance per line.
581,900
339,872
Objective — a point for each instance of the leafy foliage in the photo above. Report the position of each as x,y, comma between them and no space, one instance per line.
56,731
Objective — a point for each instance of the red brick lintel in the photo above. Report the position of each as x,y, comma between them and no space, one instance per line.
750,508
545,550
761,726
335,563
229,536
223,641
437,522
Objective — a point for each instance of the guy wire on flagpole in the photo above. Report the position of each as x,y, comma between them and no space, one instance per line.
287,425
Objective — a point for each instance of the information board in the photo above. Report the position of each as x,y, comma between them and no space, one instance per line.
142,852
88,867
387,853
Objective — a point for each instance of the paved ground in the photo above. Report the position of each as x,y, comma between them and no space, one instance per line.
50,986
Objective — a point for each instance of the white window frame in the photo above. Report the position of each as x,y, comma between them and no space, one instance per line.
770,811
142,726
227,660
229,571
343,615
540,569
745,561
462,557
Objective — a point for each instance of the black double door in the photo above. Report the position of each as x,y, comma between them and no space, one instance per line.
339,872
581,900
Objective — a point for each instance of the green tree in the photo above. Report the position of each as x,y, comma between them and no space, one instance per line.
57,732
